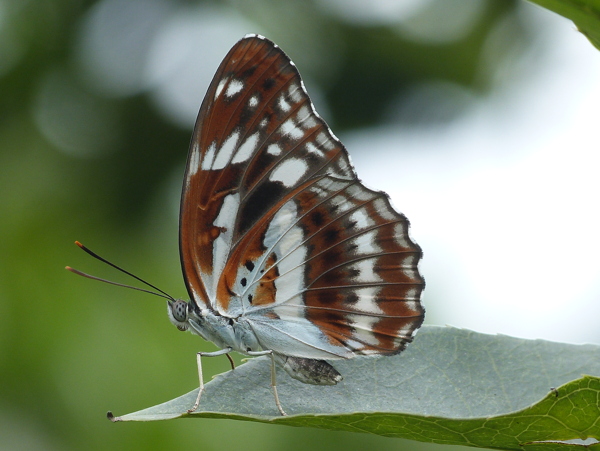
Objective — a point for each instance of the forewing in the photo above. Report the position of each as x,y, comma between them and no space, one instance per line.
256,139
276,226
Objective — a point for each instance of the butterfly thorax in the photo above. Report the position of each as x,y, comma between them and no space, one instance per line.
225,332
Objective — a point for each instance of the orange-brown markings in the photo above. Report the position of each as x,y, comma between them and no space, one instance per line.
211,187
326,308
206,237
250,248
272,315
199,233
337,327
332,267
196,240
333,324
387,330
265,291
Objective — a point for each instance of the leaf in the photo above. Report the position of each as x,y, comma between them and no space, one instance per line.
450,386
584,13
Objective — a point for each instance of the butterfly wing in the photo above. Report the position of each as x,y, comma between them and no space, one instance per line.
275,226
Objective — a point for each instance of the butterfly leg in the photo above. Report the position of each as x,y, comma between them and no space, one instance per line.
273,377
199,356
230,361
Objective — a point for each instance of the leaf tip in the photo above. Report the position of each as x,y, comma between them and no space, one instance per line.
112,418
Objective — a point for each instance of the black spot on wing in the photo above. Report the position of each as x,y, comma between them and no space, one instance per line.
332,257
317,218
353,273
332,235
248,72
351,298
350,224
268,84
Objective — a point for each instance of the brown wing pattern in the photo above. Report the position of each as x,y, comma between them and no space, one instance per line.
342,261
276,226
255,129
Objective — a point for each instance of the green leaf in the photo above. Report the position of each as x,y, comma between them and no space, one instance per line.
584,13
450,386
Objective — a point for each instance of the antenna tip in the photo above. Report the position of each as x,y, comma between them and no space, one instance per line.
79,244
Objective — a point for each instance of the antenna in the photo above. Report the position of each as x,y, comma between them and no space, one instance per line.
160,293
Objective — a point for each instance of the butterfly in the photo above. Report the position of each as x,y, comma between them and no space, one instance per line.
284,251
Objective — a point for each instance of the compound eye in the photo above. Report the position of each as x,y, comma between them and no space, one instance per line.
179,310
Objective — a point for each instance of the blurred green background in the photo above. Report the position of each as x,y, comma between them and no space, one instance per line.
97,104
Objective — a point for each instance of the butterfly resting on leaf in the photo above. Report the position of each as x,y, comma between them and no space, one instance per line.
284,251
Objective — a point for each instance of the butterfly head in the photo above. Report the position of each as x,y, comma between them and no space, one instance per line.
178,311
